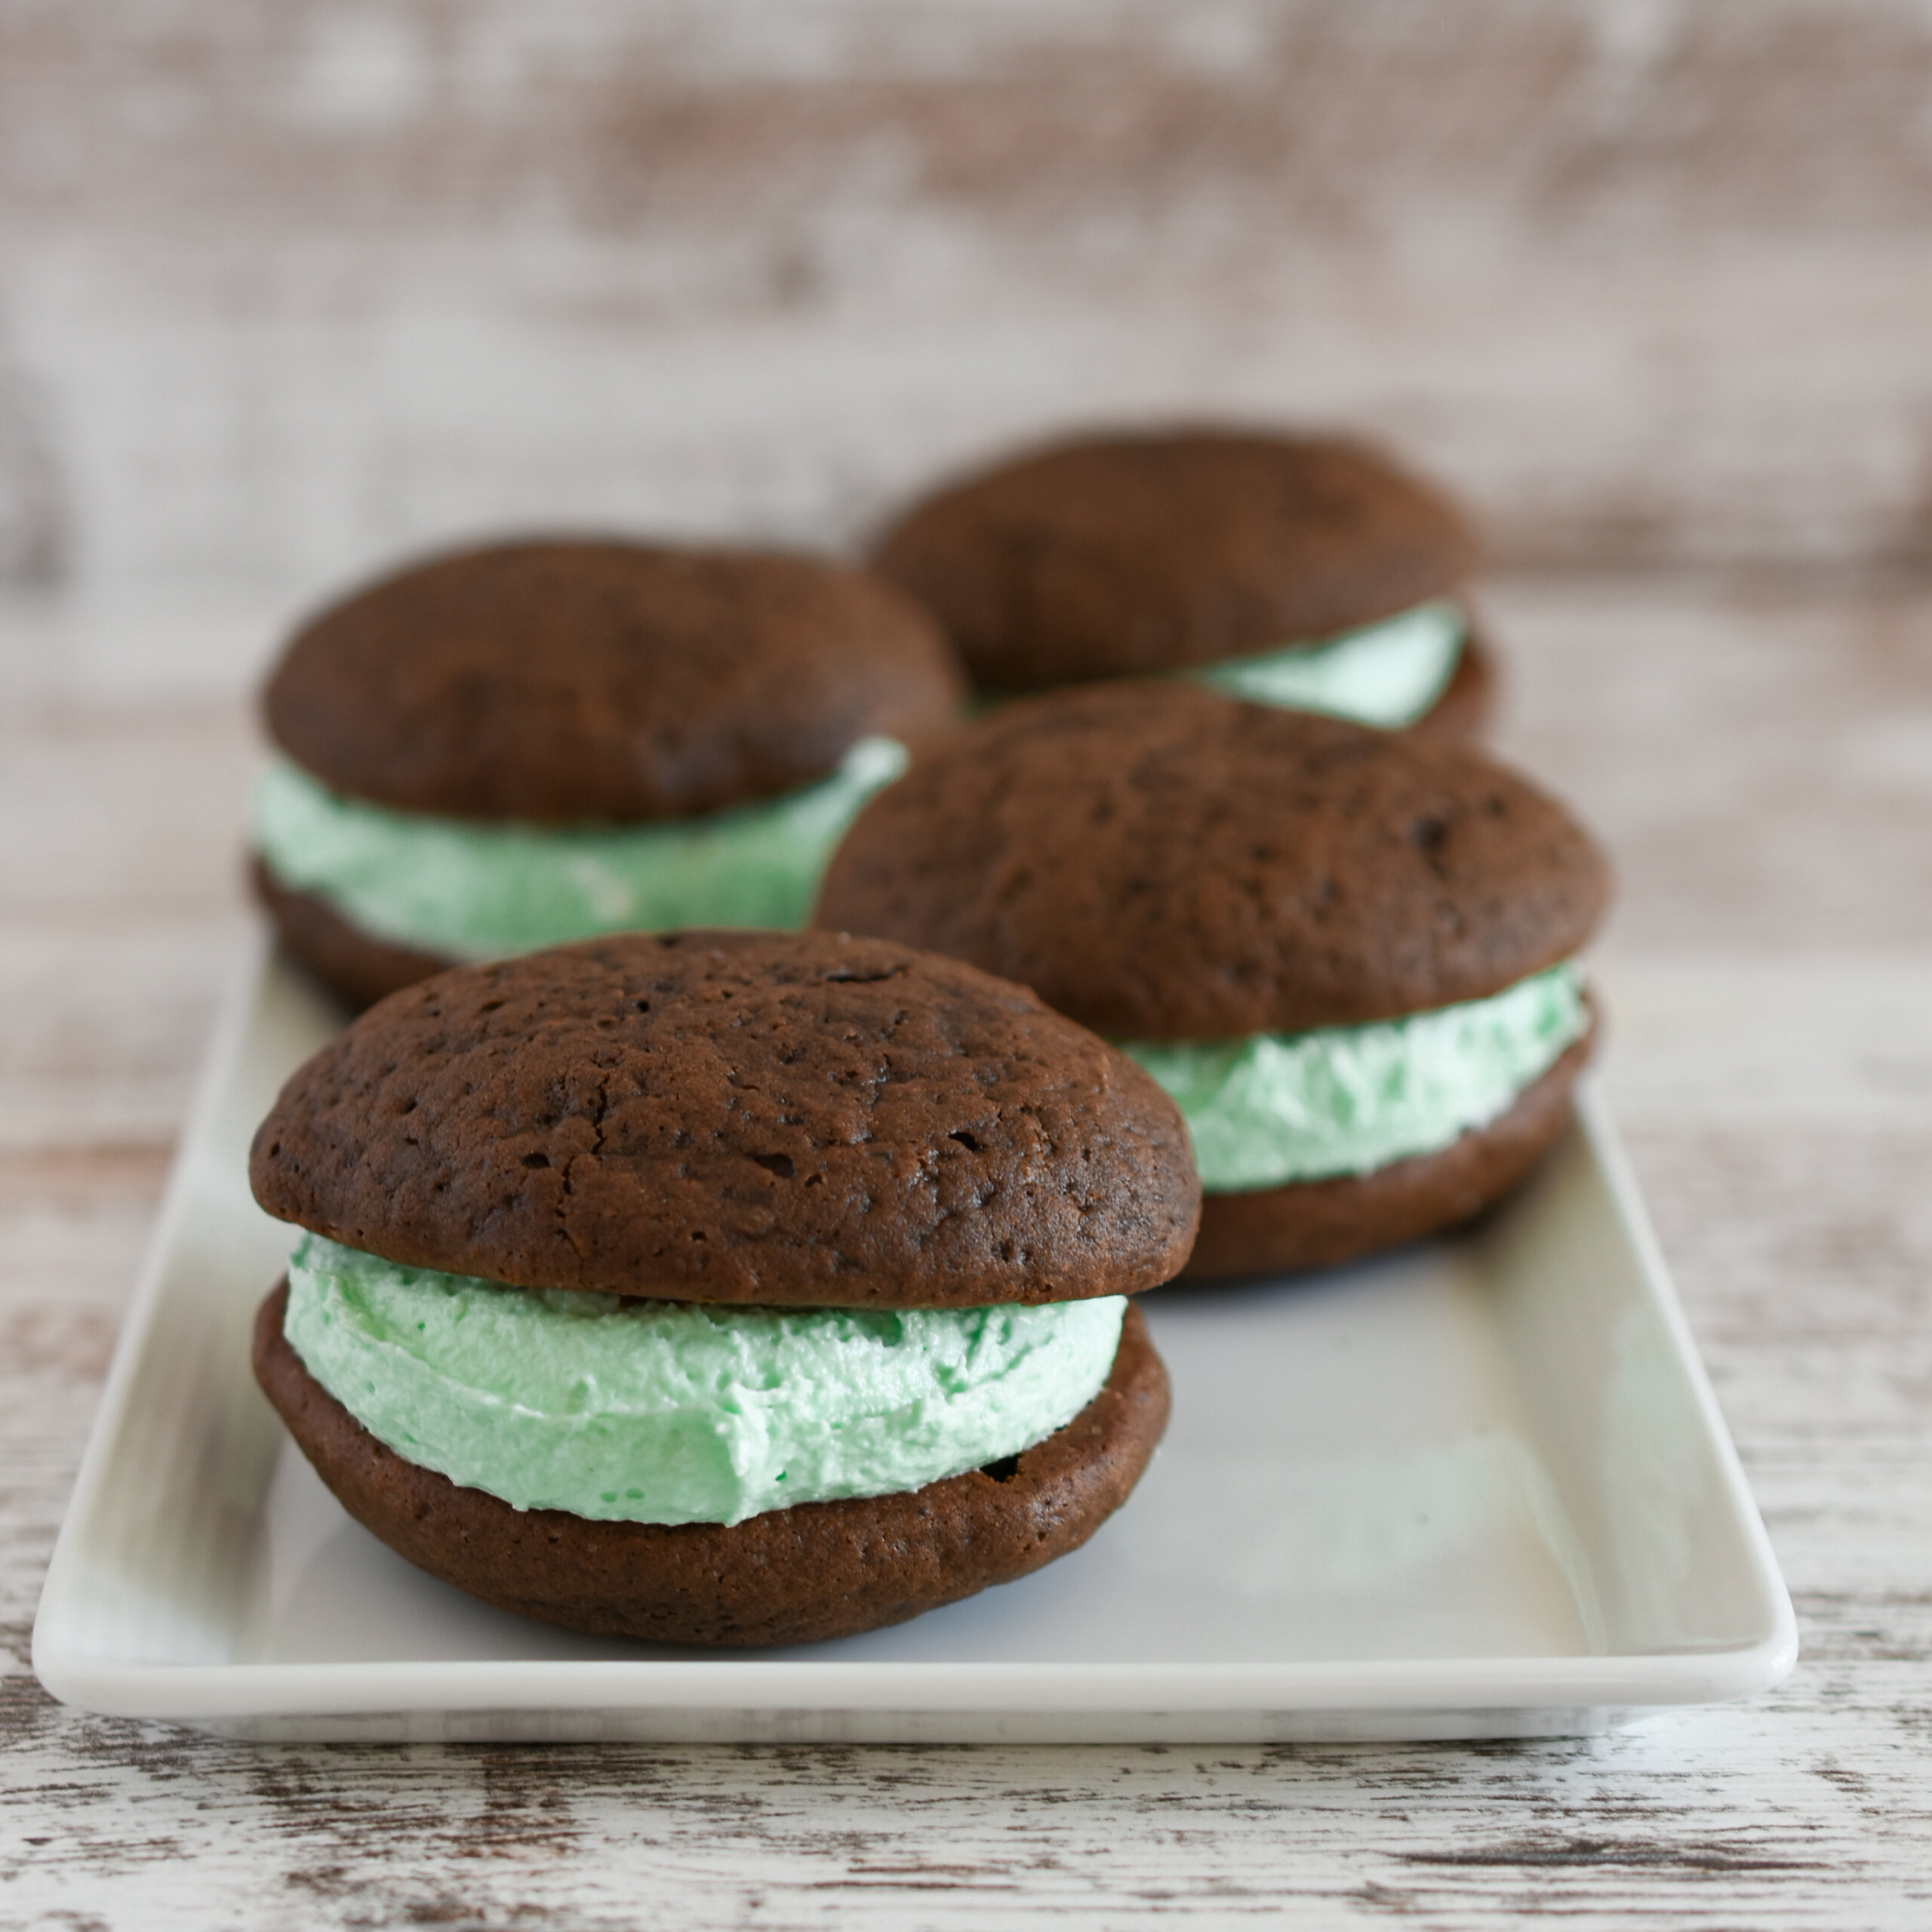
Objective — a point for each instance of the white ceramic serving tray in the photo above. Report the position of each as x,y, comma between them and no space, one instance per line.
1479,1488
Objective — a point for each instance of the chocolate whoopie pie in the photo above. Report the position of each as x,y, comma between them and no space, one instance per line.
722,1287
1305,571
1349,955
530,742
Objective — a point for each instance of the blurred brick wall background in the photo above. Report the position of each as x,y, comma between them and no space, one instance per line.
285,289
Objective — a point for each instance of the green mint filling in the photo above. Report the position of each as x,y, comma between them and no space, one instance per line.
1387,674
472,888
1280,1107
673,1412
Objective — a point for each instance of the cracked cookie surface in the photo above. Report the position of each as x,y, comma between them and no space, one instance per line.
1118,555
747,1117
1162,862
605,682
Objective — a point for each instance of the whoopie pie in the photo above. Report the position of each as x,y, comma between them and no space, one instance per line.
530,743
722,1287
1350,955
1308,570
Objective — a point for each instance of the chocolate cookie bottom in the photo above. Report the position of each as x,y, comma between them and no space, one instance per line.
1317,1223
1467,700
789,1576
1461,709
347,960
1467,704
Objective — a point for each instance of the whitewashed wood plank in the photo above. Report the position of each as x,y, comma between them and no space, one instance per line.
1757,756
98,1026
1711,1821
282,292
139,813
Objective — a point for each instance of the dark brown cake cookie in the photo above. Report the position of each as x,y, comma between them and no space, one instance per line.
1316,1223
746,1117
360,967
786,1118
1468,703
789,1576
1115,556
1169,866
604,682
1158,862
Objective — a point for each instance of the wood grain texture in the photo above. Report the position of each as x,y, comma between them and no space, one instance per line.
1751,758
283,290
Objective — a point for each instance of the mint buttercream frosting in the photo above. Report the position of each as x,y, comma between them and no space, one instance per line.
472,888
675,1412
1387,674
1279,1107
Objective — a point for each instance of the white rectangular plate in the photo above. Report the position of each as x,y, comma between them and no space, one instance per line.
1478,1488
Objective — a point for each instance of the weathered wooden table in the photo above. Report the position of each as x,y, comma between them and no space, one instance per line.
1760,761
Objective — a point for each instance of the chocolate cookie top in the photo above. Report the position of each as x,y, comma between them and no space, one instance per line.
751,1117
1116,555
603,681
1159,862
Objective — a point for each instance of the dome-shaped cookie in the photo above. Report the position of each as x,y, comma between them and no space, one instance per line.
1112,555
1161,863
604,682
737,1117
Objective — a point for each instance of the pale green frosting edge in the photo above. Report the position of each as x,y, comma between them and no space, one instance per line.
1275,1108
471,889
1387,674
674,1412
